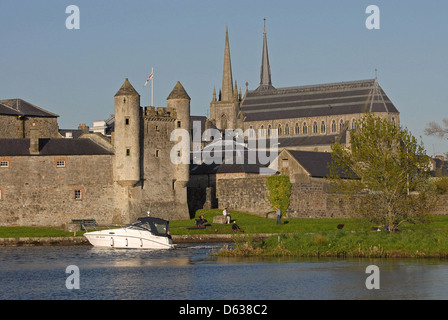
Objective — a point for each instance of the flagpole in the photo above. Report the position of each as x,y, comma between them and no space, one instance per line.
152,87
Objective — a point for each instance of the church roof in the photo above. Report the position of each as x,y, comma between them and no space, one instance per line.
178,92
126,89
316,100
19,107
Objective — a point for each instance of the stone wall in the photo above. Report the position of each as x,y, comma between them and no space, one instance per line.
35,192
308,199
13,128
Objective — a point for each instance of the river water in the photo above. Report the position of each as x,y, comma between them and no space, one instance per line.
189,272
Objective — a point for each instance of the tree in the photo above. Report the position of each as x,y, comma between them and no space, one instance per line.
393,172
434,129
279,194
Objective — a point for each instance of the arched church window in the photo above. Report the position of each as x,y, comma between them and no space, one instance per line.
341,125
297,130
269,130
286,130
353,124
333,126
305,128
223,122
322,127
315,127
279,128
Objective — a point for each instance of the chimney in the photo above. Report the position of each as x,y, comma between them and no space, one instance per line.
34,139
83,128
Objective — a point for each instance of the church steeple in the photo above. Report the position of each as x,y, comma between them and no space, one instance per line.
227,79
265,73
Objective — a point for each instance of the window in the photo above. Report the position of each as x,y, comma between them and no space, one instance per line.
333,126
286,130
315,127
128,152
297,130
251,132
179,124
353,124
305,128
4,164
262,132
126,121
78,193
280,130
269,130
285,164
60,164
322,127
157,153
341,125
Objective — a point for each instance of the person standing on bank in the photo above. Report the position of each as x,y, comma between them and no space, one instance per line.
226,214
279,215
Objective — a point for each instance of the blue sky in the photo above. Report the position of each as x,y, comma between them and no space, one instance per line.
75,73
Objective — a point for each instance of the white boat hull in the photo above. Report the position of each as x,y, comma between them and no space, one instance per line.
128,238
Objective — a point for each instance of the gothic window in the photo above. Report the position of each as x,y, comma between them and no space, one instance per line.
223,122
353,124
251,132
341,125
315,127
297,130
280,130
333,126
322,127
286,130
269,131
305,128
262,131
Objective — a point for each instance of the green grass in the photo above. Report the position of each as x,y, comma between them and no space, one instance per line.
404,244
31,232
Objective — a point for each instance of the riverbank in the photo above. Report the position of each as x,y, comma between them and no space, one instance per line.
342,244
80,240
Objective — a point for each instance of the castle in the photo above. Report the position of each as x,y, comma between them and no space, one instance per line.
48,177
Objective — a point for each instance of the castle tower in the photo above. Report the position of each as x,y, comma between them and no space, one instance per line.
127,135
224,110
179,101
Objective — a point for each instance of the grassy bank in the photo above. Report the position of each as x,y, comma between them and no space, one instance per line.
302,237
404,244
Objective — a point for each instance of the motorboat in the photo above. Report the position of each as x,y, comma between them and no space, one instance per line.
144,233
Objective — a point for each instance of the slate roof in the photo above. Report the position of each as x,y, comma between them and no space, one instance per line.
240,162
318,164
19,107
49,147
316,100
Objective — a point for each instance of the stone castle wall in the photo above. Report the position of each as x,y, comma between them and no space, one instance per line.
308,199
35,192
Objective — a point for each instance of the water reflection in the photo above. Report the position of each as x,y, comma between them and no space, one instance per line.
190,272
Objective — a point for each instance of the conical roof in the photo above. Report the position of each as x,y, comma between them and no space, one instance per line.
178,92
127,89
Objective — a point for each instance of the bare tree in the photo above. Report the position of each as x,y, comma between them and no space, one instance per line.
434,129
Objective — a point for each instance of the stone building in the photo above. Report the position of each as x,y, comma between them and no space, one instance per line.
305,117
48,180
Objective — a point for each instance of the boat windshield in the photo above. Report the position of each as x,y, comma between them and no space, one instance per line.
157,226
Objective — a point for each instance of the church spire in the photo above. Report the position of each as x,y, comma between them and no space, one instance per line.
265,73
227,79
